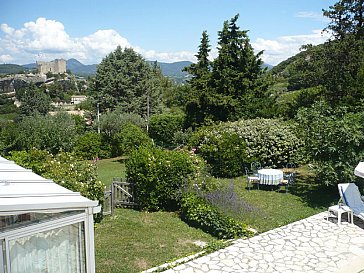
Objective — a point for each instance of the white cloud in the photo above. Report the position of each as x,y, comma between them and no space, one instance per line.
5,58
284,47
47,39
167,56
6,29
310,15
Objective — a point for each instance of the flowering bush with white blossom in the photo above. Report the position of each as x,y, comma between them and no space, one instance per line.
227,147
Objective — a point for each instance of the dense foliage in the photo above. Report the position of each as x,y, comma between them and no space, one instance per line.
232,85
334,141
88,145
163,127
52,133
228,146
130,138
34,101
197,212
124,79
159,176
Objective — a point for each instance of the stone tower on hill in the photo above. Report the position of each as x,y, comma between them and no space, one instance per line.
58,66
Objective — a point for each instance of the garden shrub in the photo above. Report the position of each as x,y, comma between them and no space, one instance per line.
131,137
334,141
228,146
225,152
162,128
8,136
88,146
159,176
64,169
197,212
33,159
182,137
51,133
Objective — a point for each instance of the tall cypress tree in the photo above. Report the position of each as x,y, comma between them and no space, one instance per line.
230,87
200,69
196,104
236,74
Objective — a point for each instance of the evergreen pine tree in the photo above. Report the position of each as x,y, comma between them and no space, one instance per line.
236,74
196,104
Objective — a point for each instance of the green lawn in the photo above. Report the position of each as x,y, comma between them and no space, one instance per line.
132,241
276,208
110,168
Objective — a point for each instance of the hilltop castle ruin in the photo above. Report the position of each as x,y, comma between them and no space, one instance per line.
58,66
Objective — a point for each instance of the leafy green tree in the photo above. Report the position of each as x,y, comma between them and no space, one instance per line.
88,145
163,127
34,101
124,79
336,64
130,138
178,96
8,136
334,141
51,133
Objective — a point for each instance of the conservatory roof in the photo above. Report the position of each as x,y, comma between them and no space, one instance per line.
22,190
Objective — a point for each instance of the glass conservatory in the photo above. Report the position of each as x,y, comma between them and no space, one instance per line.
43,226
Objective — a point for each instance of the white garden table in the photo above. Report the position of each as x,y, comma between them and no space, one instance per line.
270,176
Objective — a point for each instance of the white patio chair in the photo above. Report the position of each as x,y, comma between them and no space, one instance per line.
252,178
350,196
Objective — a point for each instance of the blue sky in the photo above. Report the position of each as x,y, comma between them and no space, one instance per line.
166,31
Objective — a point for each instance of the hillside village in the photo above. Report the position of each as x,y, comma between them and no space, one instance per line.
46,75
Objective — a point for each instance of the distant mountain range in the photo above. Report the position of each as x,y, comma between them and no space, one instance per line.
170,70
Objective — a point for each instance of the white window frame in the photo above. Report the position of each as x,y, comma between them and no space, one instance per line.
42,227
2,268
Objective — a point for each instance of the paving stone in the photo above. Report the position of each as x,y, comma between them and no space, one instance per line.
310,245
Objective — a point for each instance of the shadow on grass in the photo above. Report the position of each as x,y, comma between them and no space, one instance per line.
313,194
308,190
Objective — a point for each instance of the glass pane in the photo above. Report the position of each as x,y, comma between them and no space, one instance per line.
54,251
2,257
20,220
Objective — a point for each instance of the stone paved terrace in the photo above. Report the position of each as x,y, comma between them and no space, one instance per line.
310,245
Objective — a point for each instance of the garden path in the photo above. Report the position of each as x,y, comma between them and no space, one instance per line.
309,245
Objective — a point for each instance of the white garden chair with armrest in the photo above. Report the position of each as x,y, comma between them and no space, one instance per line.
350,196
